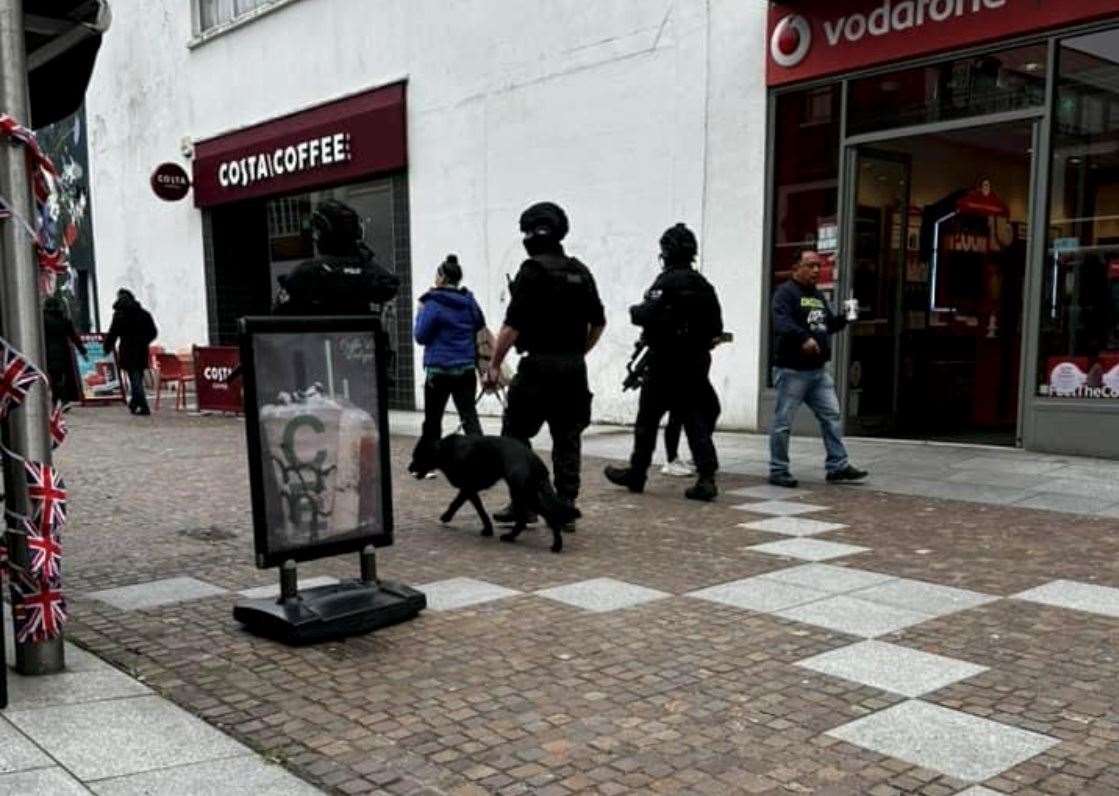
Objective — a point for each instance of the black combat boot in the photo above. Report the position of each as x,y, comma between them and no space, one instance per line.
627,477
704,489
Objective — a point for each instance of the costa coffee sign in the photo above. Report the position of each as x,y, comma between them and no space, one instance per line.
814,39
170,182
342,141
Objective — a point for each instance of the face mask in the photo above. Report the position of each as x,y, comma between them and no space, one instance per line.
536,244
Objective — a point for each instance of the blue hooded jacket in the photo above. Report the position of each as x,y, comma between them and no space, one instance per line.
447,325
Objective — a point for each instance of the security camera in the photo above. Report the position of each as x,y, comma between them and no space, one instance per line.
186,146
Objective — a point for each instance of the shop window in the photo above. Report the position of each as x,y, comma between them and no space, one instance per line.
806,181
991,83
1079,341
214,13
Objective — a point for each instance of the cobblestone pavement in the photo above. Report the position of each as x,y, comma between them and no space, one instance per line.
940,647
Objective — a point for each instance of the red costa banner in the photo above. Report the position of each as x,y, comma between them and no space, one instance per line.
814,38
337,142
213,366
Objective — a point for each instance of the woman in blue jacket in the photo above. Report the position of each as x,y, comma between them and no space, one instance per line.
447,326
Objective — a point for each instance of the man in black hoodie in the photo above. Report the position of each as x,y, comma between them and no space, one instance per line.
802,324
133,326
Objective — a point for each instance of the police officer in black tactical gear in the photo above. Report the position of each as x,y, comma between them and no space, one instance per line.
554,318
681,321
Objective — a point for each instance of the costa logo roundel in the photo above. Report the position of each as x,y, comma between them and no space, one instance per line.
791,41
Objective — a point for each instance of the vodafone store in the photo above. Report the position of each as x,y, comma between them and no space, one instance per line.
956,163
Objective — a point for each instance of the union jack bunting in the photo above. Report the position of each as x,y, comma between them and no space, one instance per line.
38,608
45,550
17,375
58,425
47,492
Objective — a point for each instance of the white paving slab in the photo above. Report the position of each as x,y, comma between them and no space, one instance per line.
238,776
890,667
761,594
273,590
68,688
156,593
602,594
844,614
780,508
41,782
1087,597
832,579
145,733
17,753
448,595
978,790
926,598
770,492
792,526
966,747
808,549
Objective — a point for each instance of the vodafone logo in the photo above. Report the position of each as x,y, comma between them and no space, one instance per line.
792,38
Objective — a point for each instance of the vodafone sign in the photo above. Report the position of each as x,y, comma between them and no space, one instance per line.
810,39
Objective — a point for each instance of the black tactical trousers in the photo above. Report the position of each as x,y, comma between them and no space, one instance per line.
682,388
552,389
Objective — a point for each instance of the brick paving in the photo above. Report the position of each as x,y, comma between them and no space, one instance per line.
525,694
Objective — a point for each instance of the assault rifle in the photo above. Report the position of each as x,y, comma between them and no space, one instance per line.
638,365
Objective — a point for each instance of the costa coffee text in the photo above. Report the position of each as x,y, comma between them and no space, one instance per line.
292,159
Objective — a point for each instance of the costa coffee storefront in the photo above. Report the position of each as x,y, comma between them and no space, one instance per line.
257,188
957,164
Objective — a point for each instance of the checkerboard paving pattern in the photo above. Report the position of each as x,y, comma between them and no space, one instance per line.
892,668
828,578
792,526
807,549
1087,597
769,492
780,508
602,594
156,593
448,595
760,593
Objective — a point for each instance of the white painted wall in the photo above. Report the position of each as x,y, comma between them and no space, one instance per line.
633,114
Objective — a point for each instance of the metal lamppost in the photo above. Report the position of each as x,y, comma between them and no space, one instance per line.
26,430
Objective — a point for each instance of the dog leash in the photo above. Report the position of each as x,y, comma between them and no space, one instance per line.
498,393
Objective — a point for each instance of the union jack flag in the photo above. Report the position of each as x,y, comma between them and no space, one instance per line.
17,375
58,425
38,608
47,492
45,550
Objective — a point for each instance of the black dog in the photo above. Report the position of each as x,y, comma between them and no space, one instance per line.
473,464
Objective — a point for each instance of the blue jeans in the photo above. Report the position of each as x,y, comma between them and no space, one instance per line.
816,389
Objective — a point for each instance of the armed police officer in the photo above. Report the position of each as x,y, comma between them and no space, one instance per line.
554,318
681,321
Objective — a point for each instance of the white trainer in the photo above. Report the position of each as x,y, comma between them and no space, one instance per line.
678,469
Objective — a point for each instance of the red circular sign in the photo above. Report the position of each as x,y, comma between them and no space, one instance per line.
170,182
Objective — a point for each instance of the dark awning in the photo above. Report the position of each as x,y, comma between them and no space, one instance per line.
62,38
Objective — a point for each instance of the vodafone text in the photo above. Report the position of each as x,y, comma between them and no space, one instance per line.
901,15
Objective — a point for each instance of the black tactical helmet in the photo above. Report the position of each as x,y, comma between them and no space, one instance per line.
545,219
336,227
678,245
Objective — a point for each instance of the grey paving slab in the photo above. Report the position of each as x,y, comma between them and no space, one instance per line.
238,776
966,747
1066,504
1107,491
978,790
273,590
145,733
792,526
17,753
780,508
832,579
602,594
41,782
68,688
845,614
156,593
770,492
808,549
1087,597
997,478
925,598
448,595
760,594
890,667
1012,463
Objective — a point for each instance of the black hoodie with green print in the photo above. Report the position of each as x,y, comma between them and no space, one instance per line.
800,313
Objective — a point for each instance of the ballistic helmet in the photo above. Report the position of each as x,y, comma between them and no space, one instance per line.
336,226
678,245
545,220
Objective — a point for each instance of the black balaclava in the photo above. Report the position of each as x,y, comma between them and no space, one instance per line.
678,247
544,226
337,228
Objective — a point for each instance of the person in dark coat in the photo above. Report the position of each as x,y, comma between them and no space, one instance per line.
447,326
60,335
134,328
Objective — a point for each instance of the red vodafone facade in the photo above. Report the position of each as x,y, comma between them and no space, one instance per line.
956,165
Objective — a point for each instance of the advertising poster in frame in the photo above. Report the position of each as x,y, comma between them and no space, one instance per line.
316,421
98,372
